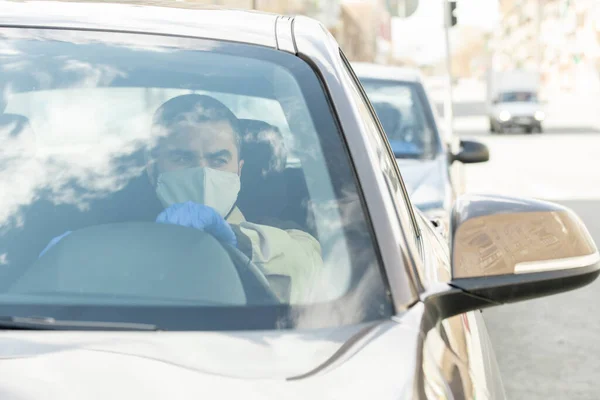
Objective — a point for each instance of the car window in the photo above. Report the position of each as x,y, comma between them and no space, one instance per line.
146,182
398,190
400,110
514,97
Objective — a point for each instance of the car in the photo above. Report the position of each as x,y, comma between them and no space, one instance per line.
430,159
517,110
109,110
514,101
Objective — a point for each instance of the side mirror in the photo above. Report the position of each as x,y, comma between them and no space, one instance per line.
472,152
506,250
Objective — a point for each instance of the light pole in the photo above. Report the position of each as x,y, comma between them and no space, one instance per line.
538,29
448,112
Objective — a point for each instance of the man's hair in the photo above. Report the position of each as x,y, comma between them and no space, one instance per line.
190,109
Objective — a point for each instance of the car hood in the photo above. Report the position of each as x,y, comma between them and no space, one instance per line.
518,108
356,362
427,181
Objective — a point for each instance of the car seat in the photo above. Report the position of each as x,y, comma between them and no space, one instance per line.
262,193
270,193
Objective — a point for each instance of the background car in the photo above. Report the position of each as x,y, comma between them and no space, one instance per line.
514,101
391,314
430,160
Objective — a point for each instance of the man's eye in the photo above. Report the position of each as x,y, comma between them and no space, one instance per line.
180,159
219,162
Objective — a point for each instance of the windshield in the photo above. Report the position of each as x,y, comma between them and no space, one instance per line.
175,182
401,112
518,97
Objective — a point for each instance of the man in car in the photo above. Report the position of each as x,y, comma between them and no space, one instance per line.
195,169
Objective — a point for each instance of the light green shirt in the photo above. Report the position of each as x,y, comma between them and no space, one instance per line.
289,252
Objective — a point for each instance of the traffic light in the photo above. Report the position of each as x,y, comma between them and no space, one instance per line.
452,12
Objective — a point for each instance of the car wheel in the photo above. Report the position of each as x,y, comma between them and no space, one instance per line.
529,129
492,127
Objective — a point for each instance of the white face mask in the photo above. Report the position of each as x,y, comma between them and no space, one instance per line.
211,187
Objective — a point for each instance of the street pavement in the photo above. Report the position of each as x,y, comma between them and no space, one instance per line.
547,348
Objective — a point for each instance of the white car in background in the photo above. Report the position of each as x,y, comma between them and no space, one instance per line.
517,110
513,101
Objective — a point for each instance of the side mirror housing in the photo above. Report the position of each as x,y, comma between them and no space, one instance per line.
506,250
472,152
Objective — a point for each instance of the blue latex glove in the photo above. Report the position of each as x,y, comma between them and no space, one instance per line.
53,243
199,216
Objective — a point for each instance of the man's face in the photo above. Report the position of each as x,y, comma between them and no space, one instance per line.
206,144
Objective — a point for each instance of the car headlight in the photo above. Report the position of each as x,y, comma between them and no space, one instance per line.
539,115
504,116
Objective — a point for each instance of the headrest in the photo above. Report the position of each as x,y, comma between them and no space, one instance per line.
263,146
263,190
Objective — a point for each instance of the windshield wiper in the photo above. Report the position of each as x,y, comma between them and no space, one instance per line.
49,323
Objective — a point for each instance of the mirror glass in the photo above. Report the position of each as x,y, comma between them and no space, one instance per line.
518,237
472,151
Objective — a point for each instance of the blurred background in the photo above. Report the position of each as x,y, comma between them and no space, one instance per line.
547,348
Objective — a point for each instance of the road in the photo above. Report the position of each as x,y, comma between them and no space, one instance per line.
547,348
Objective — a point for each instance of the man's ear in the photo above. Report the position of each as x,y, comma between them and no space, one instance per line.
240,166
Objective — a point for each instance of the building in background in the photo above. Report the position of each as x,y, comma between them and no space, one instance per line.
419,40
364,31
560,38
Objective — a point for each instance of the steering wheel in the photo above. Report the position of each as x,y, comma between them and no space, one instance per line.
256,285
151,260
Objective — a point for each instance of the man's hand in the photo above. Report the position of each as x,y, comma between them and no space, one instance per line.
201,217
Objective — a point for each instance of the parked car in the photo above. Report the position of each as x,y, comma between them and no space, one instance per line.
430,159
108,109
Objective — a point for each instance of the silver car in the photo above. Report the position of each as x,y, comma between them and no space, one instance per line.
320,281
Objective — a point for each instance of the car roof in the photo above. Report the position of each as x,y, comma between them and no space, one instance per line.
147,16
387,72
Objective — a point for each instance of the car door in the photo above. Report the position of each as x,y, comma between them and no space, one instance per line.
435,348
452,345
460,344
